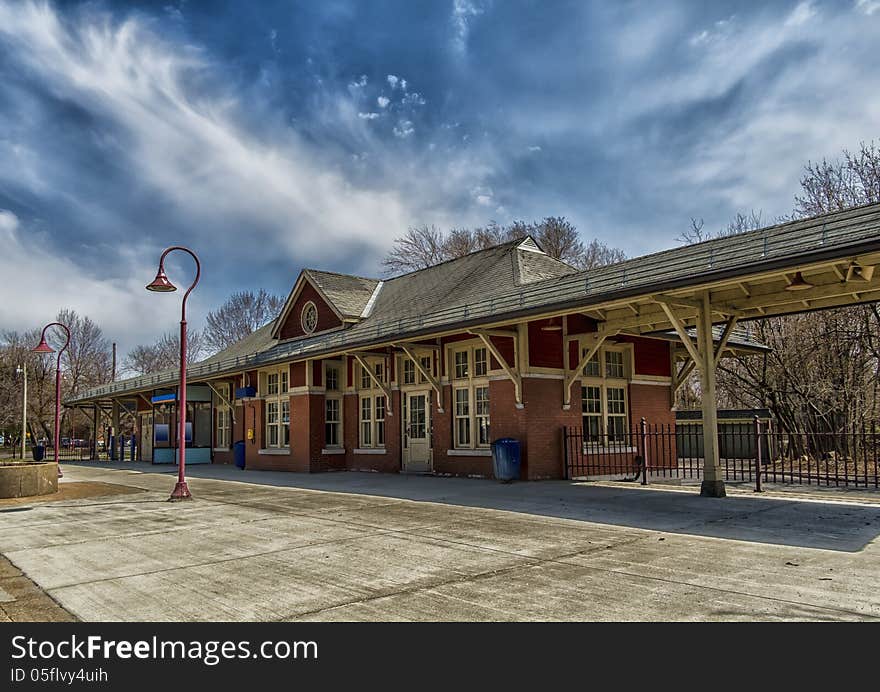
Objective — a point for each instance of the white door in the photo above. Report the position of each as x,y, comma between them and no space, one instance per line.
146,453
417,432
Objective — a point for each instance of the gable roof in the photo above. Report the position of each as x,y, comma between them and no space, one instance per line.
348,294
832,237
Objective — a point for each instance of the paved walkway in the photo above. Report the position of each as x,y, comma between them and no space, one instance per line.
359,546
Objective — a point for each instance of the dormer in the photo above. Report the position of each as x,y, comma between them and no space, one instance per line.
323,301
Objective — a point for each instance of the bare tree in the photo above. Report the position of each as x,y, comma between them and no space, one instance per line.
164,354
426,246
852,180
598,254
240,315
837,347
420,247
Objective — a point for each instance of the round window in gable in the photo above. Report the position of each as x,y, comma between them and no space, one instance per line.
309,318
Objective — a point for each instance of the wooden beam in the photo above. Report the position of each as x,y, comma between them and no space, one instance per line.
224,400
503,333
381,385
599,339
512,372
430,378
725,336
680,329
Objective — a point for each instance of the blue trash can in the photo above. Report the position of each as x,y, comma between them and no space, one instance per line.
506,459
238,453
39,451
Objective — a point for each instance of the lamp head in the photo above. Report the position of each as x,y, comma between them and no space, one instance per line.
552,326
43,347
161,284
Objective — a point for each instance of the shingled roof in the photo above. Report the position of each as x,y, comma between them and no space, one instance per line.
492,286
348,294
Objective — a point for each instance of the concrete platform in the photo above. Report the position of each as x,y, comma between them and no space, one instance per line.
360,546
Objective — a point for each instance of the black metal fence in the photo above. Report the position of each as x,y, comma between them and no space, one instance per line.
751,452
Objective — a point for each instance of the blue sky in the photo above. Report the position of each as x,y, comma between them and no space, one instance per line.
274,135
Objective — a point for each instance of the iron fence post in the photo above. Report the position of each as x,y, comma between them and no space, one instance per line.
643,425
757,454
565,453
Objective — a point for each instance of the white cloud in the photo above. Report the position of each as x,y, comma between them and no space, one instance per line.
413,99
368,116
383,101
869,7
463,13
393,80
50,282
534,148
190,148
403,129
801,14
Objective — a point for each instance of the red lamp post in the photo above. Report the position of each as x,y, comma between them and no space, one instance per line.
43,347
161,284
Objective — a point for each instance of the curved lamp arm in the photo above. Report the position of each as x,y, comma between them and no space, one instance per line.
195,281
66,343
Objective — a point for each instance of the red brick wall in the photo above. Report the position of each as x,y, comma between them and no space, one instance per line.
327,319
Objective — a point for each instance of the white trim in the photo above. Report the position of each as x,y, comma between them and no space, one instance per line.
370,450
274,451
333,450
657,383
221,449
368,308
302,317
539,376
469,452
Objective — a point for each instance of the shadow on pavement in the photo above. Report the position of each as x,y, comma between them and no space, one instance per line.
808,523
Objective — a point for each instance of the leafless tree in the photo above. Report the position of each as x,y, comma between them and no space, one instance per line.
426,246
420,247
837,347
164,354
242,314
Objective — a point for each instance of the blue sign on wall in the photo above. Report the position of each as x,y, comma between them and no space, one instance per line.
162,398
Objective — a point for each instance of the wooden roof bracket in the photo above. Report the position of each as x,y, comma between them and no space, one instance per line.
598,339
224,400
381,385
430,378
512,372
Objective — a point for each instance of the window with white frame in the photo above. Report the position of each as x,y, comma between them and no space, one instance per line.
333,372
427,363
470,396
223,436
277,407
409,371
604,404
371,407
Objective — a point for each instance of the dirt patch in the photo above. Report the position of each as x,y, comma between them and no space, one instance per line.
21,600
73,490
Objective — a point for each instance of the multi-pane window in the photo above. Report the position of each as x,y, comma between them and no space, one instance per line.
427,363
372,421
481,404
371,410
332,423
462,418
604,397
223,437
333,374
614,364
409,371
461,365
470,367
277,408
481,363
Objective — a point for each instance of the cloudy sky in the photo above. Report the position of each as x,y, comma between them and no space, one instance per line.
274,135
